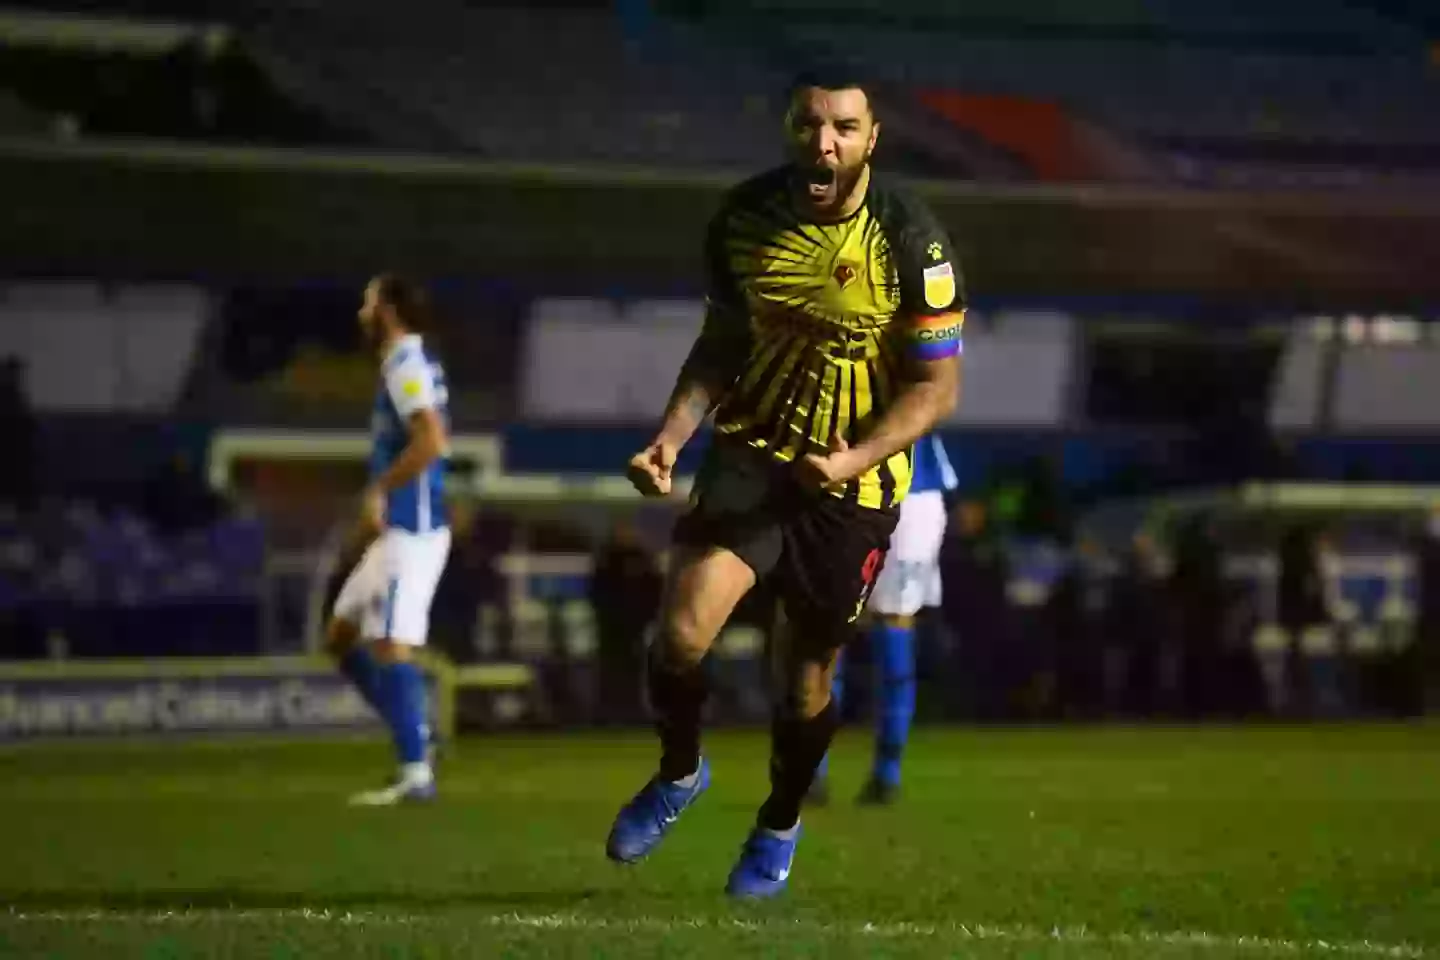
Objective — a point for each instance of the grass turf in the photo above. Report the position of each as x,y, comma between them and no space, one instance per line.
1074,843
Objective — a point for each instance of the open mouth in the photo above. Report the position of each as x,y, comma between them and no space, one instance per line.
819,181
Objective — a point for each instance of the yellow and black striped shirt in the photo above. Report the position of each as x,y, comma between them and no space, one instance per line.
832,314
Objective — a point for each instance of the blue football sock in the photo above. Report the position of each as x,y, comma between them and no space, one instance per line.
359,666
405,700
837,697
895,666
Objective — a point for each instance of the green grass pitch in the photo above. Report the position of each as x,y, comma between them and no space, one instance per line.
1083,843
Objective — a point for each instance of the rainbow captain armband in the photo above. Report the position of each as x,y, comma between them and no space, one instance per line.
938,337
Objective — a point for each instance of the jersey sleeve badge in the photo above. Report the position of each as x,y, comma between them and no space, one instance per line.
939,285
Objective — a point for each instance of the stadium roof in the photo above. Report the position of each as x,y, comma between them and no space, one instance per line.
37,29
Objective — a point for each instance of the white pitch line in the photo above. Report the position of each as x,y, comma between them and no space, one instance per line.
1012,933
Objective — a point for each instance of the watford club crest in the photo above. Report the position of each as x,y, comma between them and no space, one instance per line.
844,275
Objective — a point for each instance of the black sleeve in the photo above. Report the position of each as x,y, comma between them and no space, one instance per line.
931,283
722,294
725,336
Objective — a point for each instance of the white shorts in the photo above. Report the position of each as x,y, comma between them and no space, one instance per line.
910,578
388,594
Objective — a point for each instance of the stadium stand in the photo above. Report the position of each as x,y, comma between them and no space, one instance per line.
466,78
1282,88
1325,94
461,80
114,583
1236,24
185,81
1206,94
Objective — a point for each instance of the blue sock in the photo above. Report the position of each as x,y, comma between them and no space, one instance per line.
405,700
837,696
895,666
360,667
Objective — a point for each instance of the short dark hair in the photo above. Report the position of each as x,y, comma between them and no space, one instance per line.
830,78
407,298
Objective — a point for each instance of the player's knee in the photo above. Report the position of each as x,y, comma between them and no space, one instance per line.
702,592
340,637
390,651
683,639
808,690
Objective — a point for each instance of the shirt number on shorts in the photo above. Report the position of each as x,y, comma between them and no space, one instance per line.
868,571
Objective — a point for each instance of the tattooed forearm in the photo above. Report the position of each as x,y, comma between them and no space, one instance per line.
920,405
715,361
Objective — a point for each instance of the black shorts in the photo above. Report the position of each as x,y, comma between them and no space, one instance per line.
823,552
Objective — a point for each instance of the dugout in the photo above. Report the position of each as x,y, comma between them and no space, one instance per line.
1364,657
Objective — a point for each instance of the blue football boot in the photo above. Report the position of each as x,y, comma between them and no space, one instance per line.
643,822
764,865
